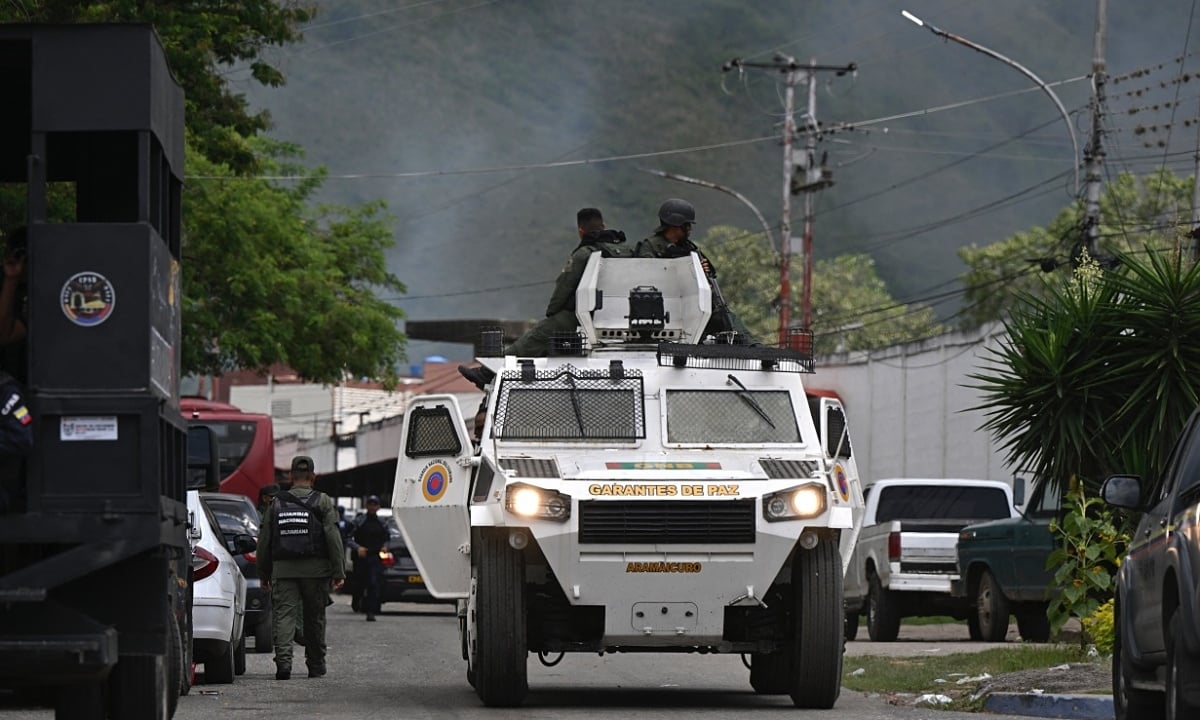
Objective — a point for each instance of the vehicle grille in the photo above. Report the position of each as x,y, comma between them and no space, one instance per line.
531,467
666,521
788,468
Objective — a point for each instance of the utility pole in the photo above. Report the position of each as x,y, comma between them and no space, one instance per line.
1094,155
815,178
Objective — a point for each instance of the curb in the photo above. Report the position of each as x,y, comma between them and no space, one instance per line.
1046,705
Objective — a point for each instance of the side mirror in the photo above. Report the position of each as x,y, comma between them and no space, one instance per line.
243,544
1018,491
1124,491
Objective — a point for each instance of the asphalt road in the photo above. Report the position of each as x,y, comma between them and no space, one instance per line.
407,666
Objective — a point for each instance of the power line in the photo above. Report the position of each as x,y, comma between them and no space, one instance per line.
934,171
497,168
1187,39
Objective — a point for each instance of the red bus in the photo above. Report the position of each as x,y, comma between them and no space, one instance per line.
247,444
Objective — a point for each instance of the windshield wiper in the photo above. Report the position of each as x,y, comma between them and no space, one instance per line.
747,398
575,404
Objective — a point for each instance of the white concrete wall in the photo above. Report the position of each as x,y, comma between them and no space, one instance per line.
907,407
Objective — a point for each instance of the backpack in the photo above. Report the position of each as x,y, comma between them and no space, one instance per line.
298,532
610,244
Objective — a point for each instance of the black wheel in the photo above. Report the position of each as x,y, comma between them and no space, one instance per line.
1034,626
1177,706
817,644
973,626
771,673
883,617
138,688
264,642
220,670
851,626
1129,703
80,702
991,608
175,658
239,658
501,677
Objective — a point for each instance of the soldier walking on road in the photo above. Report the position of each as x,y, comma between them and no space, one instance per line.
300,561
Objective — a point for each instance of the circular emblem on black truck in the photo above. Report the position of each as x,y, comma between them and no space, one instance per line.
88,298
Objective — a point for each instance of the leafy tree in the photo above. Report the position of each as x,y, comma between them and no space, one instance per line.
1135,212
1098,376
852,309
202,39
269,278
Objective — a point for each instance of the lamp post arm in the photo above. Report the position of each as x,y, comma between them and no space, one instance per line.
727,190
1018,67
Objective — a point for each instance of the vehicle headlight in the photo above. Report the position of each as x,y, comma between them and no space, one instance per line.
798,503
528,501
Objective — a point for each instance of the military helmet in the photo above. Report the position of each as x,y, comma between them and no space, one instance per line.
676,212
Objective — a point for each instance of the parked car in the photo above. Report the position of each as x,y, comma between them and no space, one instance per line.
904,561
1002,567
1156,616
218,596
237,515
402,580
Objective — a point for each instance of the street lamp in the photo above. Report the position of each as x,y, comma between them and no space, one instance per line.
1015,65
727,190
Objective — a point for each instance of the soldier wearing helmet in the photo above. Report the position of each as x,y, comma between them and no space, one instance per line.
672,239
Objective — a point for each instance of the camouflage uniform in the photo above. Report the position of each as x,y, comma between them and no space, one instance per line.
658,246
560,312
300,587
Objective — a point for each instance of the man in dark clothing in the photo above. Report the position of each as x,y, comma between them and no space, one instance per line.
672,239
370,536
266,496
300,560
560,317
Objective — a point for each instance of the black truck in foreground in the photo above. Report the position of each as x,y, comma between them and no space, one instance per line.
94,556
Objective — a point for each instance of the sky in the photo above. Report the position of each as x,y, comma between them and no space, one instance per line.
485,123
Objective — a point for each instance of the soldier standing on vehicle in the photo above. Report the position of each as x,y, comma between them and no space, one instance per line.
560,317
672,239
300,561
369,537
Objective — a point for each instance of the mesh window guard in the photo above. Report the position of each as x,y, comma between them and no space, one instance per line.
571,404
431,432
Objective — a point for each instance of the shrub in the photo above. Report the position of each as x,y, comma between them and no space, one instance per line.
1099,628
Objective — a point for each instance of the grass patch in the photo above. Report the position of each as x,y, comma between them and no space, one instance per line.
917,674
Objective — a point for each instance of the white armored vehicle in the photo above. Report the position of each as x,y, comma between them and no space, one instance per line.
639,491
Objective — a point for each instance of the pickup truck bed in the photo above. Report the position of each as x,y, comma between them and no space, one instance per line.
905,561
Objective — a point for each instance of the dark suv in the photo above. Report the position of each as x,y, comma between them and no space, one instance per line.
1156,646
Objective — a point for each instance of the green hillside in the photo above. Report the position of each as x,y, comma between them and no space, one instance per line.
376,91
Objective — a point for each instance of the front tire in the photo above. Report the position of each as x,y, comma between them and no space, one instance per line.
817,643
1177,706
991,608
771,673
138,688
883,617
239,658
851,627
220,670
1034,627
1129,703
501,677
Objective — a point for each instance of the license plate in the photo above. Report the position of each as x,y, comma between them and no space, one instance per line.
415,579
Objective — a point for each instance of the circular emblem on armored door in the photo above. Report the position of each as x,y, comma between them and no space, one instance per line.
88,299
843,484
434,481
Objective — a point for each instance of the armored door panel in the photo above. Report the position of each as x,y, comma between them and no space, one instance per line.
432,489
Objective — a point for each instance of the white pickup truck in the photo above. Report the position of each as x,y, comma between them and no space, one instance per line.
905,560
